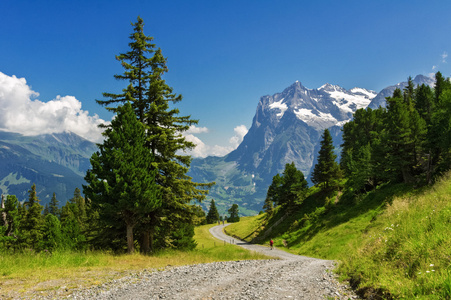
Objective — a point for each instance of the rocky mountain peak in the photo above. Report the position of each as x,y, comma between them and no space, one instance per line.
320,108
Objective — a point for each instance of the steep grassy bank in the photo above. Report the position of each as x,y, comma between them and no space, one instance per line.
27,274
394,242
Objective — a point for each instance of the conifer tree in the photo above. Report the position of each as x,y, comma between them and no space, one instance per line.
12,222
424,102
274,190
294,186
212,215
120,181
54,207
52,234
32,224
151,98
268,205
327,171
440,82
234,213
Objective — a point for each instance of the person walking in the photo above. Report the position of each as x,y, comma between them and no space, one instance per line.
271,243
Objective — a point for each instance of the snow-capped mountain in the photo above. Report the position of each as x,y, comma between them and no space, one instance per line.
288,125
320,108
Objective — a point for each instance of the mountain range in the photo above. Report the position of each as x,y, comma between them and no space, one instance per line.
56,163
287,127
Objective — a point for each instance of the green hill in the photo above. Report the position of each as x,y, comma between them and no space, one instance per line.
393,242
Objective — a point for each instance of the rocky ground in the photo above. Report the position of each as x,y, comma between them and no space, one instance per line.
287,277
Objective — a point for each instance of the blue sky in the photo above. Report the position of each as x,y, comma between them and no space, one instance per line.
222,55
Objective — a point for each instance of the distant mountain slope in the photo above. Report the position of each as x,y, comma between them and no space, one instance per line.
54,162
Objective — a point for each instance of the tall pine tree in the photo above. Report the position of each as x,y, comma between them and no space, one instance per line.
120,182
32,224
212,215
151,97
234,214
326,171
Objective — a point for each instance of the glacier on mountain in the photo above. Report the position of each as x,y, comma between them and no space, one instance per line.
320,108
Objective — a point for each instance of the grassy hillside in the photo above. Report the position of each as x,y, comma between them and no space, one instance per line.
394,242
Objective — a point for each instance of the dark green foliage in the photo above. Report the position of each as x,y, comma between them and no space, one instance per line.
182,237
31,226
212,215
287,190
73,226
9,230
408,142
234,214
121,183
274,193
326,172
151,97
54,207
294,186
268,206
52,235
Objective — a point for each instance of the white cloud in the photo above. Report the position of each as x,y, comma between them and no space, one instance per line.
444,56
204,150
240,132
193,130
21,113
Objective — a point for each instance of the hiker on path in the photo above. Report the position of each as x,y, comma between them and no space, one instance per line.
271,243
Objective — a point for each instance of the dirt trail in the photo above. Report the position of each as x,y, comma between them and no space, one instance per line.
288,276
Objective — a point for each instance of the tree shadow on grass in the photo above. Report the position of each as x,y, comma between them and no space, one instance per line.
315,214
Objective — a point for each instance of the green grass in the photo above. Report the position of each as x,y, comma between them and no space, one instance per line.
394,241
247,228
216,250
29,272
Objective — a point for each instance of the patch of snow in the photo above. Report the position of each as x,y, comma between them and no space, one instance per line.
369,94
279,105
323,86
341,123
315,119
344,100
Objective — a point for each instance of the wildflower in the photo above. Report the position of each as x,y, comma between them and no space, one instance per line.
427,271
431,265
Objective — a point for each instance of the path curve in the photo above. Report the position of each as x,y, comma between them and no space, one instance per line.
287,277
218,232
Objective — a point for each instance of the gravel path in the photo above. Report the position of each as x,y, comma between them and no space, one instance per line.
287,277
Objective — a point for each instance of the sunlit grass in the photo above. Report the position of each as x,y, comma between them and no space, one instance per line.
248,227
408,251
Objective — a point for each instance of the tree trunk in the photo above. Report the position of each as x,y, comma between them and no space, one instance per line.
151,235
130,243
145,242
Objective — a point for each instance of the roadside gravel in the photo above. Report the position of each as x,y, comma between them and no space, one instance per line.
288,276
